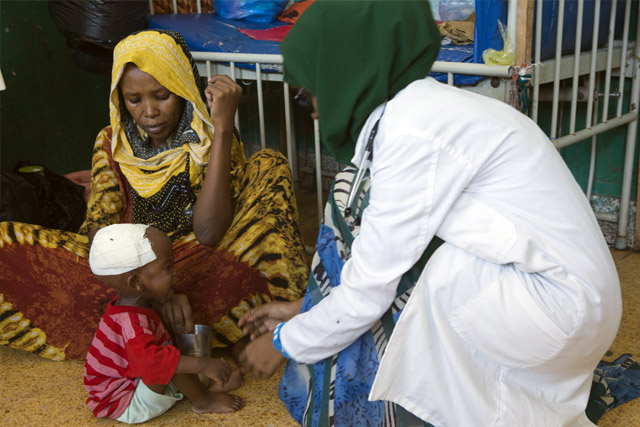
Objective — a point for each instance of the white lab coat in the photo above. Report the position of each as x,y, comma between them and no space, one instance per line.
513,312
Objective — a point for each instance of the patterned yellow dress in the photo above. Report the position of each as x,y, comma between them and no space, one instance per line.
50,303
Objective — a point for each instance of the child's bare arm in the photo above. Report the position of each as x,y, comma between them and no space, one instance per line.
217,369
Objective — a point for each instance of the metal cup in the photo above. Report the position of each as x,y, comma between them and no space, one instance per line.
197,344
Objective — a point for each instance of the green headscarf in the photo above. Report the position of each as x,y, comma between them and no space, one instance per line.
355,54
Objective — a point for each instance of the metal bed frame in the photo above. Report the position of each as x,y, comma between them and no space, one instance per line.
617,59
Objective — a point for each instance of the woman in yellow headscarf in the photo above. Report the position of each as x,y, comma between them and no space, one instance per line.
166,161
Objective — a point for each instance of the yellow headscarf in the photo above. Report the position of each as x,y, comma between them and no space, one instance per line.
161,56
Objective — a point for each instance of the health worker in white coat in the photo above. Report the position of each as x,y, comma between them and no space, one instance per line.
506,322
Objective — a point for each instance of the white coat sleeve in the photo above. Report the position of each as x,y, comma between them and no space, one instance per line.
413,183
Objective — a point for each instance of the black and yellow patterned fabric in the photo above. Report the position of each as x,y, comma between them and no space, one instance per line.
170,209
50,303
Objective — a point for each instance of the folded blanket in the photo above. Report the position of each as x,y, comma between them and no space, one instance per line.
275,34
460,32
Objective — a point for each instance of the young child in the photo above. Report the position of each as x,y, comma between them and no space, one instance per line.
132,372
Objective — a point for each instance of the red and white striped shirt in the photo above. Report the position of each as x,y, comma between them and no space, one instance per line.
131,344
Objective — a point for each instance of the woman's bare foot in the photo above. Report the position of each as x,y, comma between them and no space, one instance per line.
235,381
216,402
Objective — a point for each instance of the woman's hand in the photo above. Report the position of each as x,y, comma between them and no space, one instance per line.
223,96
260,357
264,318
176,315
213,212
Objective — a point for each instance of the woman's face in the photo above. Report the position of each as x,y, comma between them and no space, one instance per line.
154,108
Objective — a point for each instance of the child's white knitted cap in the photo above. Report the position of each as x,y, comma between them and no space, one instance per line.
120,248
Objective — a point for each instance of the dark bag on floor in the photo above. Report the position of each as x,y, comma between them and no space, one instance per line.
41,197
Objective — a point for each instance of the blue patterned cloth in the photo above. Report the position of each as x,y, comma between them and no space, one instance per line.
335,391
614,383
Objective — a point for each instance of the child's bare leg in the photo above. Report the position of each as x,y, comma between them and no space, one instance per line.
235,381
204,400
157,388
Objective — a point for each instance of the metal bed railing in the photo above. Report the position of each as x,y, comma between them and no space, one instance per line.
211,63
598,63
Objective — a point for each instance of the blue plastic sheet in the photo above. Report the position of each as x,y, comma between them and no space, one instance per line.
250,10
487,35
550,11
212,33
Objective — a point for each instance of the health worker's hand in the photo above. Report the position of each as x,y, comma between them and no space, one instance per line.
260,357
264,318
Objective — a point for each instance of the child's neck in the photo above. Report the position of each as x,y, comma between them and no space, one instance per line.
133,301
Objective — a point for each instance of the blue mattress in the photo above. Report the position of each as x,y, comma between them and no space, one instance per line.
456,53
211,33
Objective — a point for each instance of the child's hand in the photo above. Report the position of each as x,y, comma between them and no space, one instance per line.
218,369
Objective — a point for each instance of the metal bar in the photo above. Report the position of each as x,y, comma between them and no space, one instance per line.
263,137
556,74
596,129
566,70
607,79
151,10
537,65
199,7
512,15
576,68
592,166
450,79
287,125
581,94
438,66
208,66
472,69
627,173
294,151
625,41
594,146
316,137
232,71
238,57
607,216
175,6
592,71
